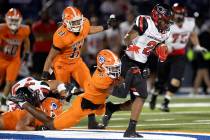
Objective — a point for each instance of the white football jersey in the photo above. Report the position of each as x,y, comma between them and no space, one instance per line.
143,45
33,85
179,36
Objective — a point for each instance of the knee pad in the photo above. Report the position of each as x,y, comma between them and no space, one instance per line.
174,85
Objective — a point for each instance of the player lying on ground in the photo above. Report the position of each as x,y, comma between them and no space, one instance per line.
146,36
65,52
105,77
22,120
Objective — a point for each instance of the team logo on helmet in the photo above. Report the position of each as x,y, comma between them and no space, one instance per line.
54,106
101,59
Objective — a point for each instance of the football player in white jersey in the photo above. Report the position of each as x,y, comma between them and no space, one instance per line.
146,36
171,71
36,91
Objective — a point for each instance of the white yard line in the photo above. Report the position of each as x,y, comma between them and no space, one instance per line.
118,119
167,124
201,121
165,113
158,120
182,105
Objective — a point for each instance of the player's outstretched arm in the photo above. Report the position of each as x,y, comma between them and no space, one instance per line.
38,114
53,52
130,36
195,41
24,123
112,21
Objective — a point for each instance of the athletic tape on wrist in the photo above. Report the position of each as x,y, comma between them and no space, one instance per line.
61,87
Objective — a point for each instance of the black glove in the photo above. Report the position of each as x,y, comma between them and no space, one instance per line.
25,95
72,91
112,22
45,75
145,73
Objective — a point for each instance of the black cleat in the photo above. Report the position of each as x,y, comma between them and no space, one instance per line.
152,102
132,134
164,108
95,125
108,114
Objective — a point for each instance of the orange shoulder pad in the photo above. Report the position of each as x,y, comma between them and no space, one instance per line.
25,30
101,81
86,26
58,37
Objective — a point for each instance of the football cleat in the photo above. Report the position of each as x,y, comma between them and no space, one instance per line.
95,125
132,134
164,108
152,102
108,114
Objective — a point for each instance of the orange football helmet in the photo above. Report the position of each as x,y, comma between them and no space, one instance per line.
52,107
108,62
72,19
13,18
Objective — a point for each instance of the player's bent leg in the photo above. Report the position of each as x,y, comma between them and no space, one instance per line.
136,109
6,91
159,88
81,74
93,124
72,116
172,88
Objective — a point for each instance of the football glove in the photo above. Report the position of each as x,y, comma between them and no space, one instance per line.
200,49
112,22
45,75
161,51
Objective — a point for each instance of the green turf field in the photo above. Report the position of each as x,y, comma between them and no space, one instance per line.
187,114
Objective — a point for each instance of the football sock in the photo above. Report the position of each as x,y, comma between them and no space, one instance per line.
132,125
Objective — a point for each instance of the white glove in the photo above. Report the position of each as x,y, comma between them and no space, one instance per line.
199,48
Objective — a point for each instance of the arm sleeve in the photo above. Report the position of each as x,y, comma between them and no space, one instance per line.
140,25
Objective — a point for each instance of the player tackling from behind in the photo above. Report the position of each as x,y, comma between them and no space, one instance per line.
105,77
64,55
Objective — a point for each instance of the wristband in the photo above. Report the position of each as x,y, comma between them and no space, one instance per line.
21,104
45,75
61,87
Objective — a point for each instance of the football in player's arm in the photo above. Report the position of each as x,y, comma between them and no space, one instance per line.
146,36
